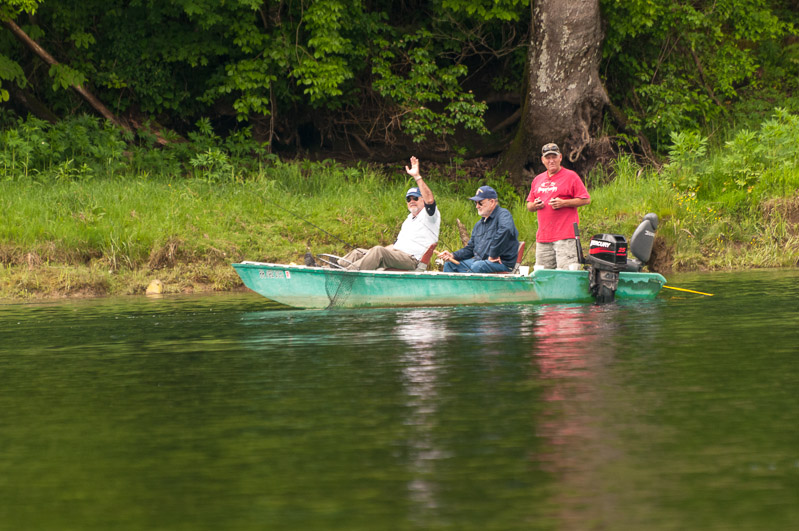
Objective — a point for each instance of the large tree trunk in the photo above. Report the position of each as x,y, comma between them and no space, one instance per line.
565,99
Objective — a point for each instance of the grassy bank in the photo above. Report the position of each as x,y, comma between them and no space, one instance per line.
110,233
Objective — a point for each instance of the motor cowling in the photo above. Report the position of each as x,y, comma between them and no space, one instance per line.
607,256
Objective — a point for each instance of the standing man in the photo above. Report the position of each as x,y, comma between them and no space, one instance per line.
419,231
555,196
494,245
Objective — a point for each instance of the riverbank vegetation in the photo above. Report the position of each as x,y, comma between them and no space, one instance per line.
107,215
255,130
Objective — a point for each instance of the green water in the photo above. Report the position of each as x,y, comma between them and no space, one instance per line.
224,412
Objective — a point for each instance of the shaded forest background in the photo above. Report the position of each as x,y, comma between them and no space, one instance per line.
378,80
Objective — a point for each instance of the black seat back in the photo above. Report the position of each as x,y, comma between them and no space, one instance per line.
644,238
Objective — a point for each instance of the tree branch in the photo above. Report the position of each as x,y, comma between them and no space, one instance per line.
47,58
510,120
701,72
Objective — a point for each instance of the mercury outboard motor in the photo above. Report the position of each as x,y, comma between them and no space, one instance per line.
608,257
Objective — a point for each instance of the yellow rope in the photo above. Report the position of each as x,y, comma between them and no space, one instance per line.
689,291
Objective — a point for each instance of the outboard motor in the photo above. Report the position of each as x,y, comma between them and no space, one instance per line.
641,243
607,256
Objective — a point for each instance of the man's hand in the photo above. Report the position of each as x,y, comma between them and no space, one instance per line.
447,257
532,206
495,260
413,171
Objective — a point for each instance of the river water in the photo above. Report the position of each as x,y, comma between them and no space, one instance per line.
227,412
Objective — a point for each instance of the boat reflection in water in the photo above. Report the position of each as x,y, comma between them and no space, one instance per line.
421,330
575,353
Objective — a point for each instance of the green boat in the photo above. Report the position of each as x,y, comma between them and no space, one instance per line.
607,275
317,287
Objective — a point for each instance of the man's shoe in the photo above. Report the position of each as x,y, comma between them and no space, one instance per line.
309,261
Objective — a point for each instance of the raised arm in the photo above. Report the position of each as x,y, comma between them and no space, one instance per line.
413,171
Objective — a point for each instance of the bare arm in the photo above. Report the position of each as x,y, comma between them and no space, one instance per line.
532,206
413,171
557,202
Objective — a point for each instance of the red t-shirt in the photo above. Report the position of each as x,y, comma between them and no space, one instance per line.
554,225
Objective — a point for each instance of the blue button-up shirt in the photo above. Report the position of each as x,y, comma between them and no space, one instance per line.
493,236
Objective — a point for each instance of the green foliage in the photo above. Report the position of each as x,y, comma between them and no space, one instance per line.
12,8
394,66
83,147
323,68
9,71
65,77
385,70
488,9
676,65
411,79
747,169
686,158
766,161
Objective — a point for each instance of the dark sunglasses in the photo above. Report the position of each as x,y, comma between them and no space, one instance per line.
411,198
480,203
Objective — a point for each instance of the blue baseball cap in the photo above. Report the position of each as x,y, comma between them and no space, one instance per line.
484,192
413,192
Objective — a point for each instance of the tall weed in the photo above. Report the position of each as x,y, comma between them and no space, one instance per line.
750,167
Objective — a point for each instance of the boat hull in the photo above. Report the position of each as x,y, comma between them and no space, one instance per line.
316,287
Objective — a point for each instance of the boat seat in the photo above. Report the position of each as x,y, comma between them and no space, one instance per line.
641,243
519,256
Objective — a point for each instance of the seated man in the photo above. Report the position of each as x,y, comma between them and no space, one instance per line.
419,231
494,245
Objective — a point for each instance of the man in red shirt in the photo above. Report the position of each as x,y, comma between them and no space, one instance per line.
554,197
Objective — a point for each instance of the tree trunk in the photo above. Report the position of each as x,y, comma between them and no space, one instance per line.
565,99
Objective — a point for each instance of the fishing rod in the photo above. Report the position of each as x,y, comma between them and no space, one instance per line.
351,246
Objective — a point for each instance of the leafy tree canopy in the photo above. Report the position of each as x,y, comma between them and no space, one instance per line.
376,71
675,64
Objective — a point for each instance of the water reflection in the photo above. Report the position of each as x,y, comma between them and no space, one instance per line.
575,354
224,413
422,331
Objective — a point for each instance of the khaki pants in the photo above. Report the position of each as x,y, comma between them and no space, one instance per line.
556,255
379,256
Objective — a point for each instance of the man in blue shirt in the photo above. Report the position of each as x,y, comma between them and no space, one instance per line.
494,245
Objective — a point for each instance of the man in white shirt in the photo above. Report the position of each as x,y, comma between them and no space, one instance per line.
419,231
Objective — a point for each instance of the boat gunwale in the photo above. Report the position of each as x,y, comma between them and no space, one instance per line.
497,277
386,273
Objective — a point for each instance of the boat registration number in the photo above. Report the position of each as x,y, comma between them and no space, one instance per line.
274,274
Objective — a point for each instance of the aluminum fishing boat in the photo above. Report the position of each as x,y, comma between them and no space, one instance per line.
317,287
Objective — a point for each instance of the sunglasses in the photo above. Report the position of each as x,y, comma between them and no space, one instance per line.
480,203
411,198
